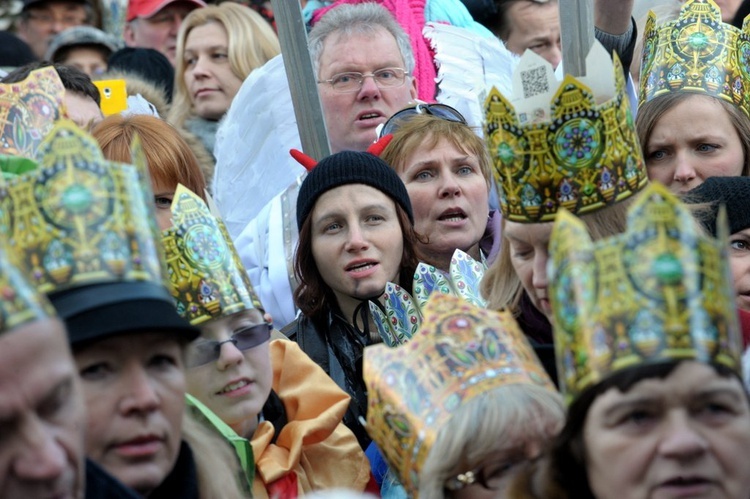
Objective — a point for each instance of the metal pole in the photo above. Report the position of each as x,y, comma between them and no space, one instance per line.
577,33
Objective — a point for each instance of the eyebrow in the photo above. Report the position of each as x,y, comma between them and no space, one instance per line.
339,214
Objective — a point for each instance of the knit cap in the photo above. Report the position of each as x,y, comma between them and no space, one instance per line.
350,167
733,192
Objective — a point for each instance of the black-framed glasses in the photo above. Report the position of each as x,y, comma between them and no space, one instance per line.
206,351
439,110
353,81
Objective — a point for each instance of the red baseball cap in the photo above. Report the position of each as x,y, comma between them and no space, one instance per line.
147,8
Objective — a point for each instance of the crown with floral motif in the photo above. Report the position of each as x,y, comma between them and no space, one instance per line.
28,111
460,351
696,52
399,314
570,145
660,291
79,219
205,273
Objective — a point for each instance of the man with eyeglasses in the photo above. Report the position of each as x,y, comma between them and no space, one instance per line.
41,20
154,24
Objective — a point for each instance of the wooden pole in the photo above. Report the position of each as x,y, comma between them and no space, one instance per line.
577,33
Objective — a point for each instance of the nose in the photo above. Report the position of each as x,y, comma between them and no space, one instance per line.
449,187
42,458
539,279
58,25
174,27
684,171
370,89
356,240
681,439
139,394
229,355
555,54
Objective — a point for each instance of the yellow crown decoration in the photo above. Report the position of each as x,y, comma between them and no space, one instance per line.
79,219
206,275
19,300
28,111
696,52
460,352
571,145
661,291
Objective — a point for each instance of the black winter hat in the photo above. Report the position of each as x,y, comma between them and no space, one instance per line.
149,64
350,167
734,192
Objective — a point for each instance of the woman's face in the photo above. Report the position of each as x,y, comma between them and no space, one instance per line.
210,81
691,142
449,196
686,435
236,385
739,263
134,386
163,196
357,242
529,256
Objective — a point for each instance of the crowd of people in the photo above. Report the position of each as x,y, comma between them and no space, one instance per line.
502,281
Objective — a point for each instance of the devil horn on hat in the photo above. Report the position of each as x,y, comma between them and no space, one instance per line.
377,147
306,161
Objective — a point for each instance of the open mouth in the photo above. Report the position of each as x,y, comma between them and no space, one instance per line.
452,216
359,267
234,386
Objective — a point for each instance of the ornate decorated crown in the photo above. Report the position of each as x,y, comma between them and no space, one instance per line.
20,302
696,52
80,219
460,352
400,315
28,111
660,291
571,145
205,273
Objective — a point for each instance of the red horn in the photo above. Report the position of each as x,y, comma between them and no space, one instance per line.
303,159
377,147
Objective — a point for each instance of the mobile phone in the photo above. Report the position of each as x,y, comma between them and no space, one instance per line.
114,96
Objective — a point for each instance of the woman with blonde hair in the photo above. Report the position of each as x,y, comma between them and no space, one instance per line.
170,159
217,48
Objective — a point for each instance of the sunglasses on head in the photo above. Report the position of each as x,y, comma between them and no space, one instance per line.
439,110
207,351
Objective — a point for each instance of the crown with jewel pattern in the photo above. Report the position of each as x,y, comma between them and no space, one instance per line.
573,147
696,52
460,352
206,275
28,111
399,314
79,219
660,291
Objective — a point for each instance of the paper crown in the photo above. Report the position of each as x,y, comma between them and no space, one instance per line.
401,313
205,273
28,111
661,291
696,52
573,147
460,352
19,300
80,219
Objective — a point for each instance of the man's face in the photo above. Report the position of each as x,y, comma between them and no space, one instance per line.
82,109
41,414
159,31
46,19
352,118
535,26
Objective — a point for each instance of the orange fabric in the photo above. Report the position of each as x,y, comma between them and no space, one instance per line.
314,444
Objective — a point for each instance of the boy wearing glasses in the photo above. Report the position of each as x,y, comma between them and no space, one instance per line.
41,20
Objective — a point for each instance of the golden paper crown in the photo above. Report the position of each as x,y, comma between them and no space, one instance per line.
205,272
19,300
460,352
79,219
574,147
28,111
660,291
696,52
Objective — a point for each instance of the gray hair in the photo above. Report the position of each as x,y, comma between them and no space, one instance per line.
365,18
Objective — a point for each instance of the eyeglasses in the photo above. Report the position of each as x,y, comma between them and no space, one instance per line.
352,81
48,19
439,110
205,352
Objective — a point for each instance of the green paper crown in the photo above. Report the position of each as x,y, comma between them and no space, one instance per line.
660,291
573,148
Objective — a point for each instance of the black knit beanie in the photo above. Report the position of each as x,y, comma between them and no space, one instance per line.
149,64
350,167
734,192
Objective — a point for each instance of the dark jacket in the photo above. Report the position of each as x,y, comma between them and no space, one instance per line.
102,485
182,481
337,347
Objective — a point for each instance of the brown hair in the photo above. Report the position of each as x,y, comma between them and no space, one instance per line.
652,111
427,130
313,293
170,159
